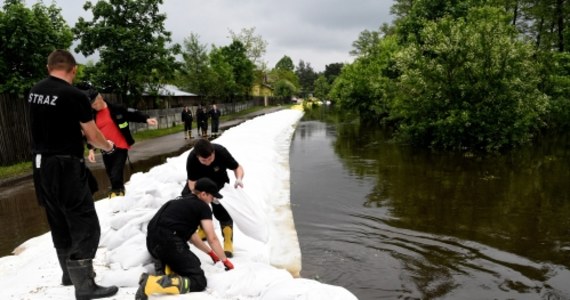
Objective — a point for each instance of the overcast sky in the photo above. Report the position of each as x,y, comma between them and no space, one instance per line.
318,32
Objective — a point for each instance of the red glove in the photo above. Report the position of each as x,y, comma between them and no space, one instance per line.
214,257
228,264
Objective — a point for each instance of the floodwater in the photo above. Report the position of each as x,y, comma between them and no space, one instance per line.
21,218
392,222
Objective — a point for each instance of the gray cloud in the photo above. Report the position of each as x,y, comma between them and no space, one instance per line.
319,32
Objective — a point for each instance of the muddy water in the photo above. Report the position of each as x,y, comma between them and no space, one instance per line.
21,218
391,222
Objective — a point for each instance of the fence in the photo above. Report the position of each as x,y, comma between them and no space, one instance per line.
14,130
15,139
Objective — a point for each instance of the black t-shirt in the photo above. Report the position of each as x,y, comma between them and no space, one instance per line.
56,110
216,171
182,215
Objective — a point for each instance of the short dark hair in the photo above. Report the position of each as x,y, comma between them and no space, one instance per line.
60,59
203,148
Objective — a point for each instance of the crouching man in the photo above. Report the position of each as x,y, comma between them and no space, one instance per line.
169,230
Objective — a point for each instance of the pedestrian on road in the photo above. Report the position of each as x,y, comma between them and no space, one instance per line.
215,116
202,119
168,233
187,119
212,161
113,121
60,119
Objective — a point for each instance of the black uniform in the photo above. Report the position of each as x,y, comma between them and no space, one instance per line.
215,116
187,119
216,171
60,175
168,233
115,162
202,119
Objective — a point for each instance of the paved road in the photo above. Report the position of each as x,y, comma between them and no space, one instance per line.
147,149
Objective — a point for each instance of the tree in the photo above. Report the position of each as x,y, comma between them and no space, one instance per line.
284,89
285,63
322,87
195,74
242,67
368,85
365,42
255,45
132,44
307,77
473,84
27,36
332,71
222,75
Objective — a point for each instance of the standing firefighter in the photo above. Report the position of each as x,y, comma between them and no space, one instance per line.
60,116
172,226
113,121
212,161
215,116
202,120
187,119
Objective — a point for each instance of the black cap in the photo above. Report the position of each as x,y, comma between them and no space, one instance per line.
207,185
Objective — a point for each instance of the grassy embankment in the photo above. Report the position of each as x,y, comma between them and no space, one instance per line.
24,167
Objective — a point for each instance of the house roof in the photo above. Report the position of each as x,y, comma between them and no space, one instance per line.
171,90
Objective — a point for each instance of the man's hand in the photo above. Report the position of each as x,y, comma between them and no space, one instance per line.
238,183
110,151
214,257
152,121
228,264
91,156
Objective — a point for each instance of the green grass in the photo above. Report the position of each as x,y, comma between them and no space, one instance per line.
15,170
24,167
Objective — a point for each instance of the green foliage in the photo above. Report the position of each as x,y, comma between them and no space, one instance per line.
322,87
471,83
332,71
307,77
242,68
555,74
366,86
27,36
255,45
195,73
284,89
285,64
132,44
222,75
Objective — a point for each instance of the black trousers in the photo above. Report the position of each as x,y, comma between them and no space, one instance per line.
163,244
62,188
215,125
187,126
115,167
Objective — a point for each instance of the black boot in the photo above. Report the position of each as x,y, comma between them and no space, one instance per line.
62,256
82,276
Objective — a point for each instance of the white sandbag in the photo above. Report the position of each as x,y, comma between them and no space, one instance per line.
247,215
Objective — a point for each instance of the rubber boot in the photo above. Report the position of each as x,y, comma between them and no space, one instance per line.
162,284
62,256
228,233
201,233
82,276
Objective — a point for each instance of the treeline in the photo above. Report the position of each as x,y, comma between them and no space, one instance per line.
463,74
135,54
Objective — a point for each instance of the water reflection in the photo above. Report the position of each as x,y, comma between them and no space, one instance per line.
389,221
21,218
